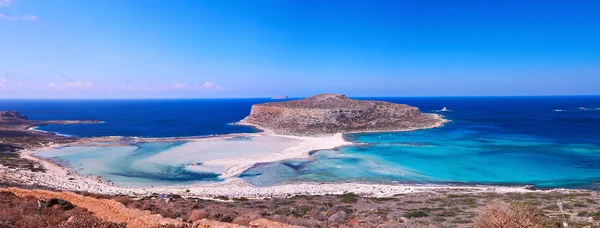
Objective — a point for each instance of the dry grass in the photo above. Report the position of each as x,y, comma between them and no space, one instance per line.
499,215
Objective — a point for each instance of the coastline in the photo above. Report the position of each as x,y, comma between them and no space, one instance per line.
441,122
63,178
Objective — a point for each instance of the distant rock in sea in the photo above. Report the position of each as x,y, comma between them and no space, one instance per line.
11,115
336,113
282,97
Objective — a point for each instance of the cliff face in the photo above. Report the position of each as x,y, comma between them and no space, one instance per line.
336,113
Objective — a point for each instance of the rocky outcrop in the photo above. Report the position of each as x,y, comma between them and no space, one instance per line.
336,113
11,115
13,124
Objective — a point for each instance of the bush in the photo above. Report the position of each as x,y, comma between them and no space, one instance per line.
349,198
196,215
499,214
596,216
241,199
582,213
415,214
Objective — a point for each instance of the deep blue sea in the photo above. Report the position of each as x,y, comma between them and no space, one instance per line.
139,118
543,141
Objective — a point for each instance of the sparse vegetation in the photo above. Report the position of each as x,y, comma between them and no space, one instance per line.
412,210
241,199
415,214
349,198
500,214
31,212
596,216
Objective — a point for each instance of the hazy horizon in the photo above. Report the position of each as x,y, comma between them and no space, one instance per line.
259,49
277,99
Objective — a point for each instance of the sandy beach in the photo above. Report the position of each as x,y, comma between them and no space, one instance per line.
63,178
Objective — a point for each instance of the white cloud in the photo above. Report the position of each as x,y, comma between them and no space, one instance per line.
7,83
79,85
52,85
179,86
209,86
15,17
134,88
5,3
3,82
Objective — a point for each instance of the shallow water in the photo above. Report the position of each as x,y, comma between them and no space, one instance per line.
513,141
545,141
165,163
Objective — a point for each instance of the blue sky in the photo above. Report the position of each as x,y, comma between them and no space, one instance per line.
245,48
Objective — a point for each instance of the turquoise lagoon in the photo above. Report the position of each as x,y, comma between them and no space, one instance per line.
442,156
542,141
163,163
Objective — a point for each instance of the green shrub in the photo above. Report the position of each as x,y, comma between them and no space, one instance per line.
596,216
415,214
349,198
243,199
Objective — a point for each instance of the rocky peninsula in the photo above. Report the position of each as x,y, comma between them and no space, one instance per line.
335,113
13,120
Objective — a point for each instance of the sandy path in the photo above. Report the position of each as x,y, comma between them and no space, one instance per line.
113,211
105,209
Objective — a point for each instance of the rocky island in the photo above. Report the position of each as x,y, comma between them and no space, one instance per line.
11,115
335,113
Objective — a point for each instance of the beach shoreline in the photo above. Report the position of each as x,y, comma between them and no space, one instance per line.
64,178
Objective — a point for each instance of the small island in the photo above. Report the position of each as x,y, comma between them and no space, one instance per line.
335,113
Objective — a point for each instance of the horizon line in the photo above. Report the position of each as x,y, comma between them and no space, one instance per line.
289,98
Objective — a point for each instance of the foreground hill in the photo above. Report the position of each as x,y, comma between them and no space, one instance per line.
336,113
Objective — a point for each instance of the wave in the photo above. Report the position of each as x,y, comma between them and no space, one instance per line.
578,109
56,133
445,109
588,109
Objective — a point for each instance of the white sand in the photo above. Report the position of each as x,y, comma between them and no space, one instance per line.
60,178
301,149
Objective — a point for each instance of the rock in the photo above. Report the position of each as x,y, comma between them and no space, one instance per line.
265,223
389,225
339,217
63,204
395,216
11,115
336,113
